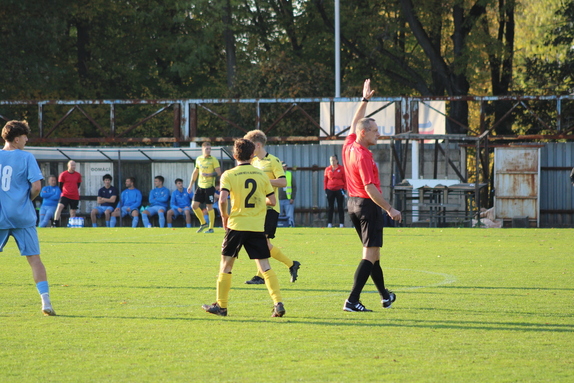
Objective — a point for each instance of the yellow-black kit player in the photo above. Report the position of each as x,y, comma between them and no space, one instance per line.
271,166
206,171
250,192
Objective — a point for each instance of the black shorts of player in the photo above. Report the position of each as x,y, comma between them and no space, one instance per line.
367,217
72,203
205,196
271,220
255,244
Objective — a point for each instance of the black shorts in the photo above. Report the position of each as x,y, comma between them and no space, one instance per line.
204,195
255,244
367,217
72,203
271,219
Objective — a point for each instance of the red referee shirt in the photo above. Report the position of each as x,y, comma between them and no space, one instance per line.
360,168
334,179
70,183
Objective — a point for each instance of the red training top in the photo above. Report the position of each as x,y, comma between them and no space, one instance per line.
70,183
360,168
334,179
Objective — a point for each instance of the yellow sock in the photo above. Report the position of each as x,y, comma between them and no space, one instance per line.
259,273
211,215
223,287
199,214
272,283
278,255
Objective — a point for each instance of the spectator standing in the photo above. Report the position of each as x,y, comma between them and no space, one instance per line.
206,171
70,181
365,203
287,196
107,199
158,202
335,184
180,204
50,196
21,184
130,202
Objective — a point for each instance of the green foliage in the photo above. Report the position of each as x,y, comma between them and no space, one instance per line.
473,305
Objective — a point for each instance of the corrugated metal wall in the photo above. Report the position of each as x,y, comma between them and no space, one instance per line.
556,190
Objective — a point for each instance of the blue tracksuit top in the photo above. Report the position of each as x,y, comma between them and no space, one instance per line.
180,199
50,195
131,198
159,197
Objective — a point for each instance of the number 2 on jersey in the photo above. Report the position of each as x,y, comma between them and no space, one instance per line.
250,182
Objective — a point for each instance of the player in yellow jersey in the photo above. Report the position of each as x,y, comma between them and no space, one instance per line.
271,166
206,171
250,192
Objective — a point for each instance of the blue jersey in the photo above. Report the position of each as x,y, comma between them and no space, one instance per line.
159,197
180,199
131,198
108,193
18,170
50,195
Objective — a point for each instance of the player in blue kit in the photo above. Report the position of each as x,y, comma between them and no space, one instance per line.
130,202
158,201
107,199
180,204
50,196
21,182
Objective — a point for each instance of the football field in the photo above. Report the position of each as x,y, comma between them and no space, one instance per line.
473,305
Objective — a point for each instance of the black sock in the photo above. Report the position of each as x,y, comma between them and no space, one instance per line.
361,276
379,280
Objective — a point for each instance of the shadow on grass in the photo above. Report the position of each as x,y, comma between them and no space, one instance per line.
352,322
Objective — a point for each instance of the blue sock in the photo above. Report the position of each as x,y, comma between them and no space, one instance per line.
94,225
145,219
188,225
169,225
161,219
135,221
113,221
43,287
107,223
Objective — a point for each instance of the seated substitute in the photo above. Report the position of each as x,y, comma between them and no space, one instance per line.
158,200
50,196
180,204
251,192
107,199
130,202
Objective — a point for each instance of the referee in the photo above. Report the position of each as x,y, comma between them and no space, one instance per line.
365,203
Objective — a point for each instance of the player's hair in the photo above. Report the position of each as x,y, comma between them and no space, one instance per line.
14,129
159,178
133,179
364,123
256,136
206,143
52,175
107,177
178,180
243,149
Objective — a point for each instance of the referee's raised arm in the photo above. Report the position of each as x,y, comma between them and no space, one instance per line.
360,113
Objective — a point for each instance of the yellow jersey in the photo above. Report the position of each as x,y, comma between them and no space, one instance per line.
206,165
248,188
271,166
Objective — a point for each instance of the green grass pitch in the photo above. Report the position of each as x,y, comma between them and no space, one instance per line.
473,305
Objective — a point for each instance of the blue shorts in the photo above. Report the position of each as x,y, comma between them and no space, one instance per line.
26,239
153,210
102,209
124,211
176,212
